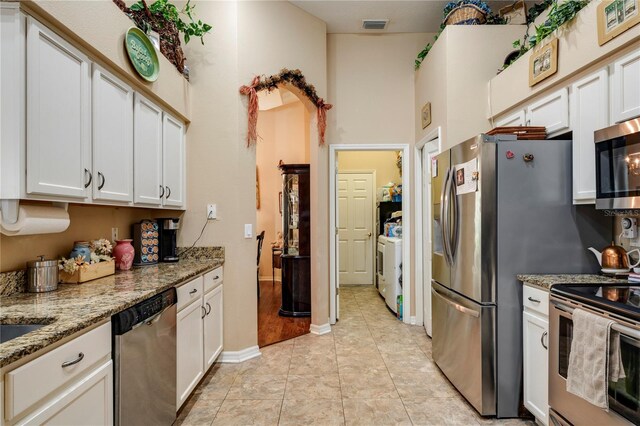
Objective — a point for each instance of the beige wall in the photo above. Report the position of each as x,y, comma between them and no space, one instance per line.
87,223
383,162
469,55
283,135
371,83
249,38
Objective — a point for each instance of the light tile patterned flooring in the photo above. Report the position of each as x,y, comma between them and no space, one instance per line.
371,370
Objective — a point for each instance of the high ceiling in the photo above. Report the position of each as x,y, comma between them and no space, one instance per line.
345,16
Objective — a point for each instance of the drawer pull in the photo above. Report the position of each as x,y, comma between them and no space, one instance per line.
75,361
217,277
542,340
531,299
194,291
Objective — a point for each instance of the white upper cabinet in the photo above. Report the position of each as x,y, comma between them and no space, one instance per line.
513,120
589,112
147,152
58,115
112,138
551,111
625,88
173,161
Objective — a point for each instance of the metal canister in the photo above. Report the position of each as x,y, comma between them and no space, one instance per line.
42,275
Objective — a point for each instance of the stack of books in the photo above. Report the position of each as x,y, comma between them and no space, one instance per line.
634,277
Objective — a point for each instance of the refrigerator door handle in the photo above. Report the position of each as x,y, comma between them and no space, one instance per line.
444,216
453,244
455,305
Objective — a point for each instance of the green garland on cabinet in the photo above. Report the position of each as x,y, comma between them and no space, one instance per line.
559,14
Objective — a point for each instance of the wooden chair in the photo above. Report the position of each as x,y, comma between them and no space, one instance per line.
260,239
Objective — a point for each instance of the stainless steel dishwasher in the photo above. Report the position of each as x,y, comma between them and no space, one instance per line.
144,352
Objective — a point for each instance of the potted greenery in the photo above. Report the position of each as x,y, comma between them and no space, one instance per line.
164,18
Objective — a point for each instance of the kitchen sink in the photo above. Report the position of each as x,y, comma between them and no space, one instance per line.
11,331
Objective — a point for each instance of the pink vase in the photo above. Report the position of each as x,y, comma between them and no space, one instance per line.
123,252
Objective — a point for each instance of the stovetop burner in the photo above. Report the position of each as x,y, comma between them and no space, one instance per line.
624,300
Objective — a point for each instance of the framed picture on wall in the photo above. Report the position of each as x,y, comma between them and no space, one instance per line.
543,62
425,114
616,17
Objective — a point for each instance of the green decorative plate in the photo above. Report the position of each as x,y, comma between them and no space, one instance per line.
142,54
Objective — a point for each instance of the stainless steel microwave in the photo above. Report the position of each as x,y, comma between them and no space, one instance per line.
618,166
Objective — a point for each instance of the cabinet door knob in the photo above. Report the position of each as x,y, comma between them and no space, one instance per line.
542,340
87,172
102,181
168,192
75,361
161,189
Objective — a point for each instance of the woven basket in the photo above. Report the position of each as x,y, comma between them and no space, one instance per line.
466,14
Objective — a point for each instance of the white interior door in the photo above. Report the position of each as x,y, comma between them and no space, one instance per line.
426,237
355,228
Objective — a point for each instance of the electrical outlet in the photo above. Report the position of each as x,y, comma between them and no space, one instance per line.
114,234
212,211
248,230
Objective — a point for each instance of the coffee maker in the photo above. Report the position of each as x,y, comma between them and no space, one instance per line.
168,229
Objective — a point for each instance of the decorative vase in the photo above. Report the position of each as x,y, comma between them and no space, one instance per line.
123,252
81,248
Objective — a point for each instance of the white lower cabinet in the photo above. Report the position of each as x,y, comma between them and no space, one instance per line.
88,402
70,385
189,346
213,326
535,356
199,331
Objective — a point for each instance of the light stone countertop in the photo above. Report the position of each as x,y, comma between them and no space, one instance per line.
546,281
74,307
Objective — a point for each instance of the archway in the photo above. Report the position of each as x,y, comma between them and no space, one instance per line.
294,82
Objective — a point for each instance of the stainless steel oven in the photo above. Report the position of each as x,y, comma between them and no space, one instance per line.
618,166
624,396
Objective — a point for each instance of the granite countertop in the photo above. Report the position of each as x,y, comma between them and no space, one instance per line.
73,307
546,281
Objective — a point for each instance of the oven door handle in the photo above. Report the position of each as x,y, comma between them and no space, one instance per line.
622,329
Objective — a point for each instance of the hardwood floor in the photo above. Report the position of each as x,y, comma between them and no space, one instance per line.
273,328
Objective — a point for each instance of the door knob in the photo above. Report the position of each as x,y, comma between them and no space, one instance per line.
369,234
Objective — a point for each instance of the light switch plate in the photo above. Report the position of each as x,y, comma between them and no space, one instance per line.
248,230
114,234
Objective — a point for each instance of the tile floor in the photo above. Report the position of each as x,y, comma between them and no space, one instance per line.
371,370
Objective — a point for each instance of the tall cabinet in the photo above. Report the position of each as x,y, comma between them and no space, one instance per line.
296,231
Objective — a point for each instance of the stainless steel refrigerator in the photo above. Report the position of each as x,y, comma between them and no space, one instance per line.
501,207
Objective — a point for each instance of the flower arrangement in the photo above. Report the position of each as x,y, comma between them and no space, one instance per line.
100,252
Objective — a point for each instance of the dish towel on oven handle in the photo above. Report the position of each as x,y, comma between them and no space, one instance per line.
595,358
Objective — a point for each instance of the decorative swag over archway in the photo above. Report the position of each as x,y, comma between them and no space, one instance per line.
293,77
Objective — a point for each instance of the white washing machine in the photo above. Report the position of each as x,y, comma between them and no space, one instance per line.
389,261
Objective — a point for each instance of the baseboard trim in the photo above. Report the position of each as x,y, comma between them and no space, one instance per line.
235,357
320,329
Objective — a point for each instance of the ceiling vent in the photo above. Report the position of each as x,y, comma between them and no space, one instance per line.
374,24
